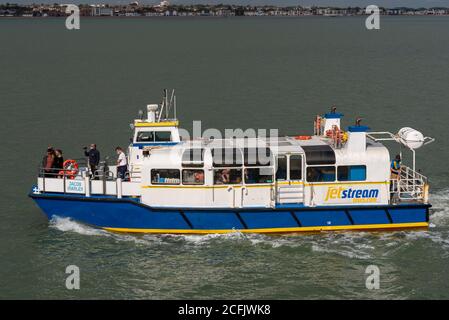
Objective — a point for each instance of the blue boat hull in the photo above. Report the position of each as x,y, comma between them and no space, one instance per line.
129,215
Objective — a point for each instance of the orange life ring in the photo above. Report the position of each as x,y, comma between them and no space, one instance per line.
70,169
303,137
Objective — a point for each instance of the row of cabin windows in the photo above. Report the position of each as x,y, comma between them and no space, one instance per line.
228,157
221,176
153,136
257,175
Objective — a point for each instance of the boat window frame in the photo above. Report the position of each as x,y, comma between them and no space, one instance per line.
193,163
164,132
354,165
287,156
142,132
227,168
273,175
165,184
153,133
227,165
301,156
321,182
245,153
193,169
319,155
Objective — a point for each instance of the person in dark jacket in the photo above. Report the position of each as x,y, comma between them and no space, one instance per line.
58,163
47,163
94,158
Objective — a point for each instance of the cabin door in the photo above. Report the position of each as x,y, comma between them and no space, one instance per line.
289,179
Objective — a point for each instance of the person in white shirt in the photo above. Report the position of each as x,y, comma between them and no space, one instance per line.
122,163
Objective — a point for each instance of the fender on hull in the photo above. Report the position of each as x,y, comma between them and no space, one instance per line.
130,216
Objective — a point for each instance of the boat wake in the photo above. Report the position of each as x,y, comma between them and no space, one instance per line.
353,245
439,216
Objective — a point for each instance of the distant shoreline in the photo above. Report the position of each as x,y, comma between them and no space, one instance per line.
134,9
214,17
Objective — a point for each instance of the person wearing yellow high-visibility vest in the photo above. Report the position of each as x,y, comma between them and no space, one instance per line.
395,170
395,167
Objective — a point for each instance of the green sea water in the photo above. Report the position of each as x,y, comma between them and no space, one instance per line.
70,88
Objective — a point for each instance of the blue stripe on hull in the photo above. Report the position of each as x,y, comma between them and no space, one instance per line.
214,220
113,214
269,219
110,212
404,215
323,218
369,216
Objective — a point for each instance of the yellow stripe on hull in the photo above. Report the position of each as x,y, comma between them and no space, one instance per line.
371,227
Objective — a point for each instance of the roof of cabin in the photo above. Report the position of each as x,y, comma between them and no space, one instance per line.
277,146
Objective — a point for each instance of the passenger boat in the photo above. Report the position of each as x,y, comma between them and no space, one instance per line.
332,180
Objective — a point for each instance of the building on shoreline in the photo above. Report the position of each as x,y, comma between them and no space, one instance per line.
164,8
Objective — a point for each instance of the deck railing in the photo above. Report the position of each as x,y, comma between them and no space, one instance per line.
409,186
101,181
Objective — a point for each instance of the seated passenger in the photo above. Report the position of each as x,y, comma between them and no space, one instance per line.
199,177
223,176
236,180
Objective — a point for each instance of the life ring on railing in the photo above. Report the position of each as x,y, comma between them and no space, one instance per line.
70,169
303,137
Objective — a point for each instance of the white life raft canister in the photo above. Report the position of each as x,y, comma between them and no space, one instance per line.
411,138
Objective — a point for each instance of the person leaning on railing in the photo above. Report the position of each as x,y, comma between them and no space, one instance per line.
48,162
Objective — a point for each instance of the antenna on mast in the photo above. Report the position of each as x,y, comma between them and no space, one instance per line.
166,104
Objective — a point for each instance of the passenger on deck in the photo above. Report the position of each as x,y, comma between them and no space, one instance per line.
48,163
94,158
395,167
122,163
58,163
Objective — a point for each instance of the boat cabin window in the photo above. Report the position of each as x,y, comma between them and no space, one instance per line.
193,157
295,167
321,174
192,177
319,155
162,136
153,136
255,157
228,176
226,157
145,136
258,175
165,176
351,173
281,172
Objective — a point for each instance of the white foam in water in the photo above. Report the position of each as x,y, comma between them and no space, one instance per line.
440,208
353,245
67,224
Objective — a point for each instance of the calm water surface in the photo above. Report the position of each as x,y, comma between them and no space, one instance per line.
69,89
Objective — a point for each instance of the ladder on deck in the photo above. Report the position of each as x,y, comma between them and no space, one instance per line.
289,193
